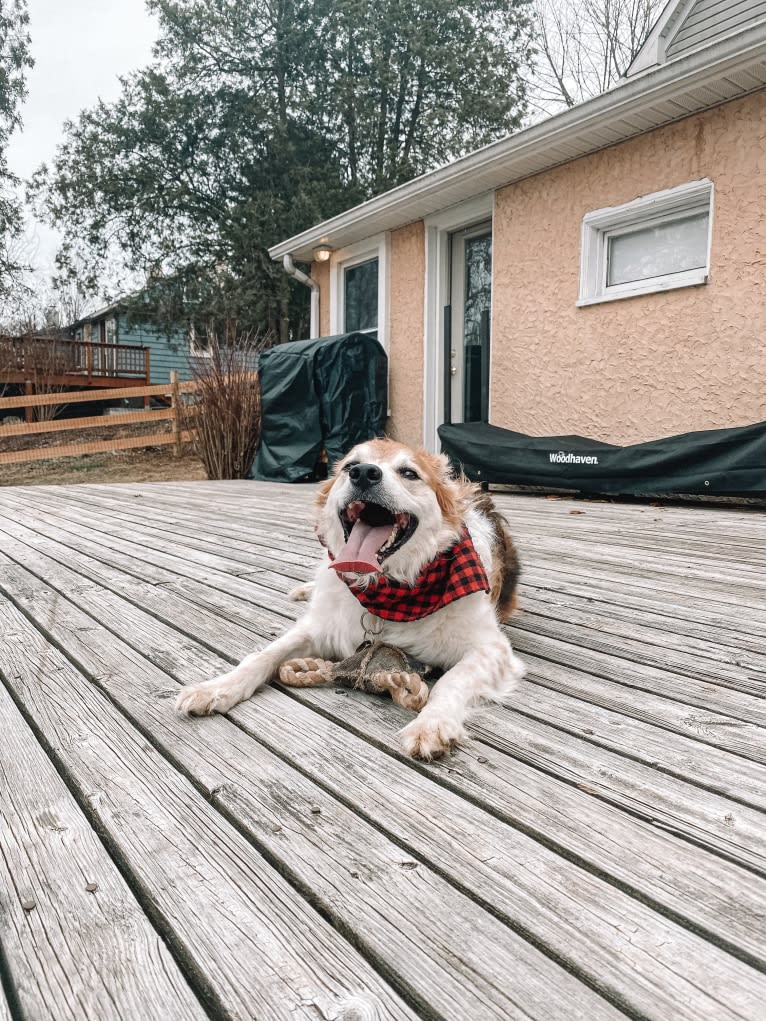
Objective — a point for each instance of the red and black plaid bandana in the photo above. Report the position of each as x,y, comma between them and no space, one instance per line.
455,573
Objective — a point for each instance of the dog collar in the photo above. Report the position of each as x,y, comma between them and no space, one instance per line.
455,573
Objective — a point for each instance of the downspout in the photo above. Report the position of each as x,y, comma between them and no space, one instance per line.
296,274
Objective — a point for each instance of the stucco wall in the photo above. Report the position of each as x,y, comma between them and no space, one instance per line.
405,312
320,271
663,363
405,329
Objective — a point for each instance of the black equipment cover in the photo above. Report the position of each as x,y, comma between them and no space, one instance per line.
723,462
329,393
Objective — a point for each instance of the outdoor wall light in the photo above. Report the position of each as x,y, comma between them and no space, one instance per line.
322,253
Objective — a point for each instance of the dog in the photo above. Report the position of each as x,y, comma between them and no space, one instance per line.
416,557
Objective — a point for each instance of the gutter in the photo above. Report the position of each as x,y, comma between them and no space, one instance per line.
416,199
291,269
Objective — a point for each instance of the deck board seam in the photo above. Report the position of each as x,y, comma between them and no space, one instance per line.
551,685
547,658
300,888
8,989
137,604
197,981
537,835
633,758
426,1012
486,739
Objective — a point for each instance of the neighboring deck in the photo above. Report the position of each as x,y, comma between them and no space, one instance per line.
597,851
52,363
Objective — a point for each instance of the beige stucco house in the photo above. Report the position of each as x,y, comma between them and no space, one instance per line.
601,273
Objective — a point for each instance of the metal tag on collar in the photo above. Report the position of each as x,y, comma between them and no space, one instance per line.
372,627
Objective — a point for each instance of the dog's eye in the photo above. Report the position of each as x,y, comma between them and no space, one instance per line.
408,473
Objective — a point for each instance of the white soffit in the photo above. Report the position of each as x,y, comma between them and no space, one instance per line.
723,71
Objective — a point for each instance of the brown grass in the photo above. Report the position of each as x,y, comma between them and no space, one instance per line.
151,465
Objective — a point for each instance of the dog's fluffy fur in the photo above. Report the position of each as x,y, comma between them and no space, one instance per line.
463,638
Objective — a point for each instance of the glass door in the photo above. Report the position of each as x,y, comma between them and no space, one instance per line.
469,320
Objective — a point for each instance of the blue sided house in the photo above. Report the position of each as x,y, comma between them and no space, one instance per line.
123,345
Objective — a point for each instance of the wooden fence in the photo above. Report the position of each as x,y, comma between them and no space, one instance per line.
175,436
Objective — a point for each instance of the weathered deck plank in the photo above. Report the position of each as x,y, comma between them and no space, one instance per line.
210,892
609,821
358,876
536,891
110,963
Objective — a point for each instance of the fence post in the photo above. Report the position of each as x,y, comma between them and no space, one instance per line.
175,403
29,412
147,374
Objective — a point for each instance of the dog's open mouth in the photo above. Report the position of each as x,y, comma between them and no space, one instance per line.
372,533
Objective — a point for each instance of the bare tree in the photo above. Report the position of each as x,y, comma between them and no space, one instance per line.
46,361
584,46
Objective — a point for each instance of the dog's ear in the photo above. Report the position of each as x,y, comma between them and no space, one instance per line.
452,494
324,490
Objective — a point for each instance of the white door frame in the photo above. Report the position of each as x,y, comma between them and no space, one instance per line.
457,294
438,229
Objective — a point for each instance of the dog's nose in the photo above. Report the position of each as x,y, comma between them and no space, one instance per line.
365,475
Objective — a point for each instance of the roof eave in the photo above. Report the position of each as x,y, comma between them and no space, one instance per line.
509,159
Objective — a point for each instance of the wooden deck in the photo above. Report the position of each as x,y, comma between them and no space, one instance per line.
45,362
597,851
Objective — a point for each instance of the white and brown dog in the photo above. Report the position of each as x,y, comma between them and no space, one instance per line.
419,558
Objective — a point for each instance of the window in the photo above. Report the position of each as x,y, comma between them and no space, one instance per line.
656,243
360,297
359,288
199,342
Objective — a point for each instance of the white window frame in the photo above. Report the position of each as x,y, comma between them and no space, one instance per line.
110,330
195,350
648,211
371,248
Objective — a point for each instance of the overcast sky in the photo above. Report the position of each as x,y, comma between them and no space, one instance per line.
79,47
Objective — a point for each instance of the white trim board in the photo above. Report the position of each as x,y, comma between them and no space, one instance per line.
437,231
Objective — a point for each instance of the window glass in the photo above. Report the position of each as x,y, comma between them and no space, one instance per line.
477,304
661,250
360,285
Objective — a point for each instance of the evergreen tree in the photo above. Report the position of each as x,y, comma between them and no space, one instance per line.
14,63
257,119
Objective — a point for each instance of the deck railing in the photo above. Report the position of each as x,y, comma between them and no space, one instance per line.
42,358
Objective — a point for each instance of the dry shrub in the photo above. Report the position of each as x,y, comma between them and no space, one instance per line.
39,360
225,416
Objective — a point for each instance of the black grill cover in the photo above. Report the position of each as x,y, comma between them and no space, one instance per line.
724,462
328,393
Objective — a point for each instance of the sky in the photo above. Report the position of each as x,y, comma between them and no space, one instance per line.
80,47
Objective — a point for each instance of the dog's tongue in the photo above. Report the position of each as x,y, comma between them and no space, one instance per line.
359,555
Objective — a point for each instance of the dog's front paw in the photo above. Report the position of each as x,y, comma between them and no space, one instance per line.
216,696
301,593
430,736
